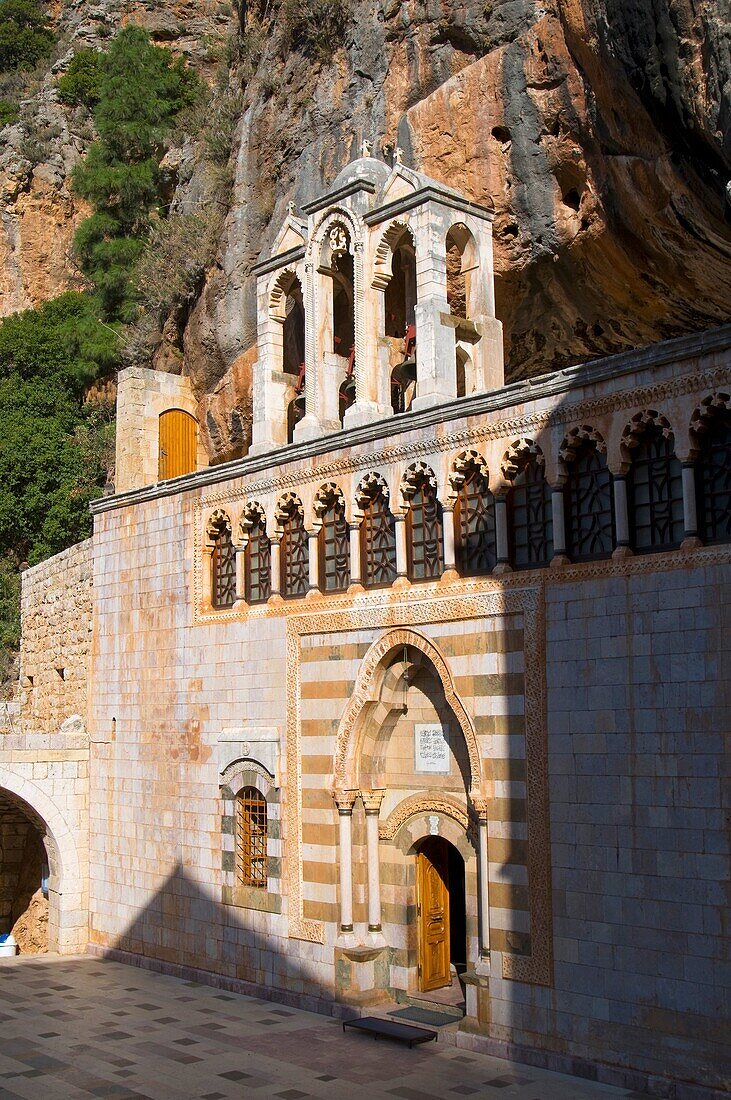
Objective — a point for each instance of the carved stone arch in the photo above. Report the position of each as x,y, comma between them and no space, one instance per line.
252,514
421,804
462,466
218,522
414,476
287,504
246,772
382,272
280,291
327,222
328,494
464,239
518,455
369,487
638,425
575,439
704,415
365,692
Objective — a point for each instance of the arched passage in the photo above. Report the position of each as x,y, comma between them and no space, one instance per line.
52,848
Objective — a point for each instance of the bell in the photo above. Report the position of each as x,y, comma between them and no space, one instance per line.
404,374
298,408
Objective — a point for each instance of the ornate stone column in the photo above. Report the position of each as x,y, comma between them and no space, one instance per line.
345,800
241,572
483,880
448,537
313,562
274,566
501,535
690,508
356,577
559,526
372,802
402,567
621,516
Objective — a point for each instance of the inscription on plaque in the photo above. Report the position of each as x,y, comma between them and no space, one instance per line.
431,751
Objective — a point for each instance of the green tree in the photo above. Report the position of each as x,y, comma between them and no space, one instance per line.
81,84
25,36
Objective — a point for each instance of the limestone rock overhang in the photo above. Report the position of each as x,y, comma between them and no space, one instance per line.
711,342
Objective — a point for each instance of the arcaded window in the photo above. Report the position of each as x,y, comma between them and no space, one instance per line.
378,543
223,567
530,516
655,492
257,564
424,534
589,505
474,526
293,559
334,548
251,838
713,475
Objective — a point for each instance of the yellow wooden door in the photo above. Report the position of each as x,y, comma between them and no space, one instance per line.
433,902
177,444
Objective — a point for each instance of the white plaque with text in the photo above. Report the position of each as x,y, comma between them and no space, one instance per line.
431,751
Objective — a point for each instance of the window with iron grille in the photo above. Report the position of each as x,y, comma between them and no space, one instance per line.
713,474
378,543
223,570
530,517
257,561
474,524
334,545
251,838
655,493
293,560
589,506
424,534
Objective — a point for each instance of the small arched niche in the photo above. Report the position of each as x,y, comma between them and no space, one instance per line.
462,271
336,262
400,292
293,329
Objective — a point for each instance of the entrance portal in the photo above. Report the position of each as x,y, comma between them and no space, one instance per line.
441,913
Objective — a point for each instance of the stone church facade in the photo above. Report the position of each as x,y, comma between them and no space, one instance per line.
428,688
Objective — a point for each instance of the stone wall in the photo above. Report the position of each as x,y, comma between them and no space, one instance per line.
56,639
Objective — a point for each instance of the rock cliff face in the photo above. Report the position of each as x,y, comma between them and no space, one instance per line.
600,130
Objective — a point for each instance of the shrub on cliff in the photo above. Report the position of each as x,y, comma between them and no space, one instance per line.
315,28
81,84
25,36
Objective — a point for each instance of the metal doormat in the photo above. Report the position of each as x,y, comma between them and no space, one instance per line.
389,1029
426,1016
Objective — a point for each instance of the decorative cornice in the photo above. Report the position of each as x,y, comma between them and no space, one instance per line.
422,804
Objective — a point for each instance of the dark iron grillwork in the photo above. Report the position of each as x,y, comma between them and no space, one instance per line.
530,517
223,569
655,493
334,545
258,565
713,478
474,520
424,534
251,838
589,506
378,543
294,559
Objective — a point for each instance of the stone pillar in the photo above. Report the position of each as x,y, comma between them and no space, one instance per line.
501,535
356,577
559,526
344,800
241,573
372,802
313,561
402,568
448,537
621,516
690,509
484,883
274,565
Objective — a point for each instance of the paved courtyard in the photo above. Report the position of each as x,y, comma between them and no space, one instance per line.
75,1028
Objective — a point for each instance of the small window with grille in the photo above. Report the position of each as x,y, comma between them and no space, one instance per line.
294,559
378,543
223,569
530,517
334,546
251,838
713,480
257,565
589,505
424,534
655,493
474,520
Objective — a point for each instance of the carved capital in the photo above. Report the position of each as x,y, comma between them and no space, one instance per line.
372,801
345,800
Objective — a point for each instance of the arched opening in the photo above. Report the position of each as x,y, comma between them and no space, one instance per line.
24,875
441,915
462,269
400,294
342,279
293,330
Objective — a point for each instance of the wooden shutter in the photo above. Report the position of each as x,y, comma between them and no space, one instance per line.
178,444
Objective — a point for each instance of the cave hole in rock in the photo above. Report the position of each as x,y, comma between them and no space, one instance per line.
572,199
501,134
23,878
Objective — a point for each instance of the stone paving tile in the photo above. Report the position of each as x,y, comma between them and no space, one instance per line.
124,1034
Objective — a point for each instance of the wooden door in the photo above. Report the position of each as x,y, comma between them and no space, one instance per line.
177,448
433,914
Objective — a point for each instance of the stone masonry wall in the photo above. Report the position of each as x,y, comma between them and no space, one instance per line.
56,636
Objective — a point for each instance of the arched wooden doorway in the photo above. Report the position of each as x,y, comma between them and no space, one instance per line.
441,913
